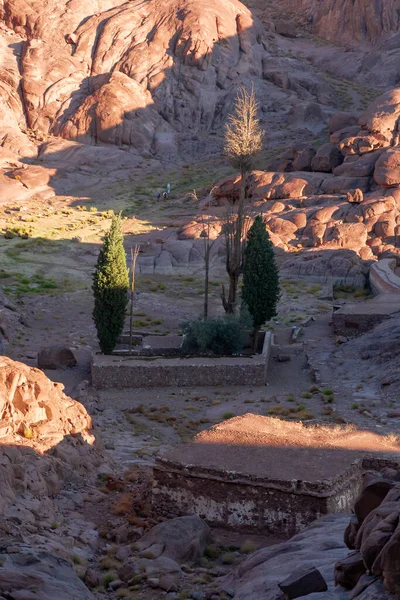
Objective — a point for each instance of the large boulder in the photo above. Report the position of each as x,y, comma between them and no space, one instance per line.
180,539
279,186
377,540
382,116
303,162
362,167
56,357
349,235
340,120
327,158
341,185
387,168
285,229
362,144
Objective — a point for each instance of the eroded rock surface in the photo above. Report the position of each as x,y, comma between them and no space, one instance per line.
45,440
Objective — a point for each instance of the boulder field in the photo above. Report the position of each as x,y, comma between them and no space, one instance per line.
343,194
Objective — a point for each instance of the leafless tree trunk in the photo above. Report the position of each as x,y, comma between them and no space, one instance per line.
208,244
235,230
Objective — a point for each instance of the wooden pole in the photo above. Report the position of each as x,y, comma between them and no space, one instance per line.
134,255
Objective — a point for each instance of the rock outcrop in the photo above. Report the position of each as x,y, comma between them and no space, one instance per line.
350,200
345,21
129,74
375,536
27,573
46,440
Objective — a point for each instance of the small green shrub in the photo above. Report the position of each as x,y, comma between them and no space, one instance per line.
107,579
228,415
214,336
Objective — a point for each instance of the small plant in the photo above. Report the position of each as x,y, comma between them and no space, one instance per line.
355,406
107,579
212,551
306,395
76,559
228,415
248,547
228,558
327,391
54,525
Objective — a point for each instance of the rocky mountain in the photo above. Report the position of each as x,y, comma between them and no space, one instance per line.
346,21
157,78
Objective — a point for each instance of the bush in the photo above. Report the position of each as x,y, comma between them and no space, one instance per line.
213,336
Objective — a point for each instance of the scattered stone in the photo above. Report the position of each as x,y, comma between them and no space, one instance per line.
355,197
198,595
168,583
283,358
56,357
92,579
302,583
349,570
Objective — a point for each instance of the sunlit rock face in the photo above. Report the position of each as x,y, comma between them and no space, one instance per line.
45,438
135,73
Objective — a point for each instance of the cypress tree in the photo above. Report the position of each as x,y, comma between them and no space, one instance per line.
260,277
110,288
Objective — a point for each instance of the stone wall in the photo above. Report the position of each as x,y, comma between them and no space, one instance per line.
134,372
230,500
350,325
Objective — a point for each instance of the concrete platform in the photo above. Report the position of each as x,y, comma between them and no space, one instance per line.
261,474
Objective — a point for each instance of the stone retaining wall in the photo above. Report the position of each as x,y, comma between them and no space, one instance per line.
350,325
382,277
135,372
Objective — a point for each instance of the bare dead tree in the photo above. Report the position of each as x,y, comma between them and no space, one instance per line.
243,141
206,223
134,255
234,254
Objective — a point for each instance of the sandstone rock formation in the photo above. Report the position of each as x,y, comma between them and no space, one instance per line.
375,536
135,75
313,208
45,441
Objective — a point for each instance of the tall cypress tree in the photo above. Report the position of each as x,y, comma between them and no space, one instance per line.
110,288
260,277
